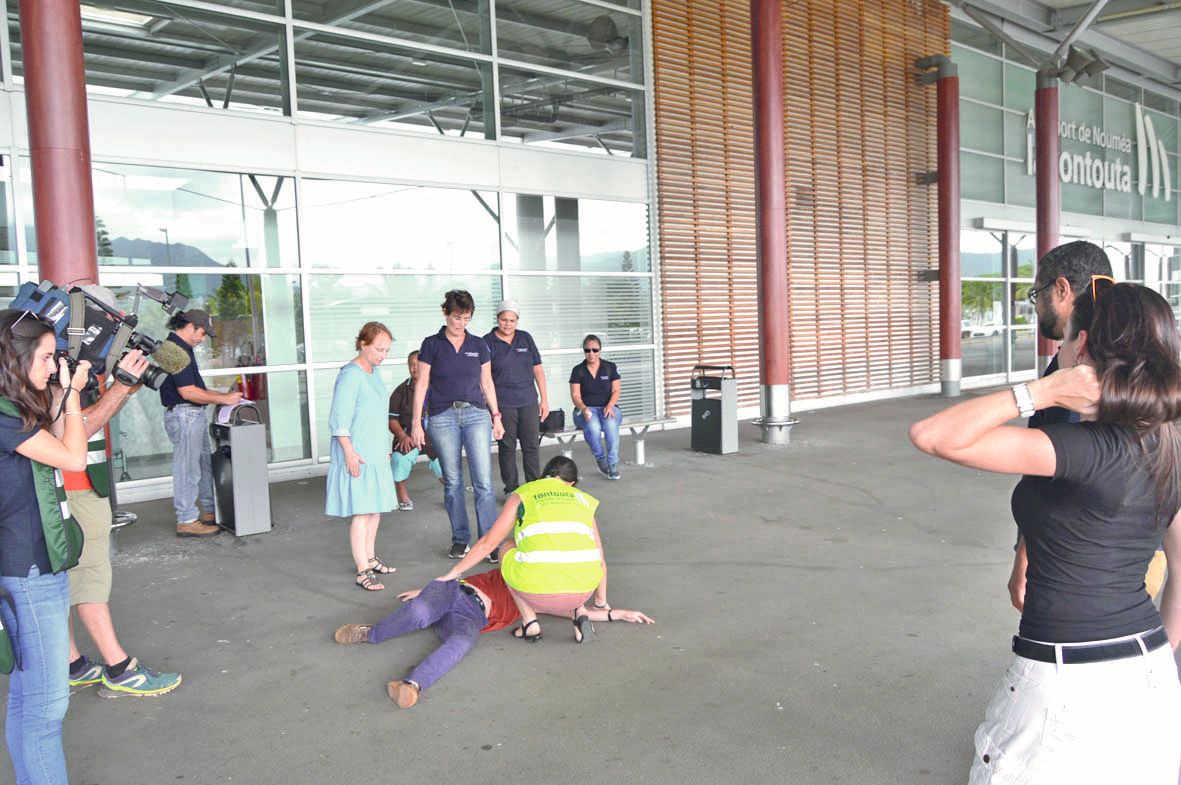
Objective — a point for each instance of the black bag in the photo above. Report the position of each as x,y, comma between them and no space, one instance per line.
554,422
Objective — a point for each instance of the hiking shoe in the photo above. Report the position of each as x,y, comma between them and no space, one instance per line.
458,550
494,556
197,529
406,506
612,472
138,680
403,693
89,673
353,633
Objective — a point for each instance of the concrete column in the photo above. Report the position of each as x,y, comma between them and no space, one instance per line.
771,221
1049,198
59,140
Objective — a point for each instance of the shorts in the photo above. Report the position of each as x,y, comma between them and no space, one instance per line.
402,463
1085,724
90,581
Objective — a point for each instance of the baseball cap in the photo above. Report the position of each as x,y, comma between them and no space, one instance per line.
508,305
199,318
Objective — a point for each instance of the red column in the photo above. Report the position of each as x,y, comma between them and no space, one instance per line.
1049,203
771,219
59,140
947,86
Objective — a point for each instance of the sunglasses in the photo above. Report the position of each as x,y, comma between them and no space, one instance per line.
36,317
1107,282
592,351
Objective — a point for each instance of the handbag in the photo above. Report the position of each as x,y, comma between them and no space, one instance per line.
554,422
9,655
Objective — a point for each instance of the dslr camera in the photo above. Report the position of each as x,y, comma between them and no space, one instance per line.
86,328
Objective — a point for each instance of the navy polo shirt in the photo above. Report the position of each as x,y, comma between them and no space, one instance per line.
191,375
596,389
22,540
1053,414
455,376
512,369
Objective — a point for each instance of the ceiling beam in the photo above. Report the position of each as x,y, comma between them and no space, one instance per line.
1115,10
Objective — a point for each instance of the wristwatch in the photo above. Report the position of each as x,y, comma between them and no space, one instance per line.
1024,400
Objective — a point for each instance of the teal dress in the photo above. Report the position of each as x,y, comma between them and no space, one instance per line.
360,411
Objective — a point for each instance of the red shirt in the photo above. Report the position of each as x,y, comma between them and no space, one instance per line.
503,611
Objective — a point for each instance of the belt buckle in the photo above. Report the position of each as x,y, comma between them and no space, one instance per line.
460,405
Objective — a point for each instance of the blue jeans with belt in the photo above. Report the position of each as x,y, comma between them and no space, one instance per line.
456,617
38,691
192,470
453,432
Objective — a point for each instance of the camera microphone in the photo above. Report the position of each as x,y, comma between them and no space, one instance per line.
171,358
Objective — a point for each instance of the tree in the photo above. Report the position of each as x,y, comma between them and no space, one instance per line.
102,239
231,301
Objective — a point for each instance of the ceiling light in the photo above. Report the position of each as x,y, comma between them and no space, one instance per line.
105,17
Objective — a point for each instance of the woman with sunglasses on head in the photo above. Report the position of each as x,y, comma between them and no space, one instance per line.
594,388
39,540
1092,695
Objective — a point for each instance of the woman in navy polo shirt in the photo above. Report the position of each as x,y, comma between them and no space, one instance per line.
456,368
594,388
519,378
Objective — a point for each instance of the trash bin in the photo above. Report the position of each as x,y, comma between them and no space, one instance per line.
240,469
715,419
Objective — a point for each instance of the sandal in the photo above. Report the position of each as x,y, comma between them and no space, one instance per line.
521,634
367,580
378,566
583,629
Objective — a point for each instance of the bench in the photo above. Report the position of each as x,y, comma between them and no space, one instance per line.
638,430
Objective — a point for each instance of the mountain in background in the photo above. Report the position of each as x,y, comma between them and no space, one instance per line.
159,254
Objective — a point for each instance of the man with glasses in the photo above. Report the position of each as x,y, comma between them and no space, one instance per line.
1063,274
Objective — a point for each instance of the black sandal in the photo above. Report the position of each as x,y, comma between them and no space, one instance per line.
368,581
583,629
520,634
378,566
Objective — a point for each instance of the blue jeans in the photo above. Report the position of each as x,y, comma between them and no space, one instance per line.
192,470
597,425
468,430
38,691
456,618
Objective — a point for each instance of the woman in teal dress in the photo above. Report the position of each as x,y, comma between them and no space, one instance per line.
360,483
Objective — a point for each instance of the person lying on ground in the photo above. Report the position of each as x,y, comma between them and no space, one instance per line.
458,611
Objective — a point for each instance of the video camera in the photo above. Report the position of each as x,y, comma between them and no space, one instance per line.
88,329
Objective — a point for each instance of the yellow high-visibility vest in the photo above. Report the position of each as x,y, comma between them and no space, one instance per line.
555,549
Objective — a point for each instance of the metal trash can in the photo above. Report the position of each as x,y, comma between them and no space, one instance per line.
715,419
240,478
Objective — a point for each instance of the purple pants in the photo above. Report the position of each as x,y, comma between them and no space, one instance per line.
456,617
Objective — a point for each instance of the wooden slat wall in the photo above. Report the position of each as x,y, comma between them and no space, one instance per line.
858,129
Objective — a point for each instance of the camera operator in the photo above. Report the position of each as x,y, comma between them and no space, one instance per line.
185,397
90,581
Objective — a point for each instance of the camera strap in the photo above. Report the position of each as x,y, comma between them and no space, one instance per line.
77,327
118,344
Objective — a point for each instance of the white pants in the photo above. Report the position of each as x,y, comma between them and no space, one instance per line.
1102,723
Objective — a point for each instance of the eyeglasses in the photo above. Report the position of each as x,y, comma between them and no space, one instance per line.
1033,293
586,350
1108,282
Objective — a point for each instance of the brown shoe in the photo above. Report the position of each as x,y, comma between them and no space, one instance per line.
402,693
197,529
353,633
208,517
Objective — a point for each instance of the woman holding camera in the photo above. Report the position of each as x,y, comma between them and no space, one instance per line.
1092,695
39,540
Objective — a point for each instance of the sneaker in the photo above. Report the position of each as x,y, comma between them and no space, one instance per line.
612,472
604,469
197,529
406,506
403,693
494,557
458,550
353,633
89,673
138,680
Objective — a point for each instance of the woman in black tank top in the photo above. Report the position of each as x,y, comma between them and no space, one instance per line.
1092,695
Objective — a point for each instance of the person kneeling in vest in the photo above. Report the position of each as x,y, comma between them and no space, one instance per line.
459,612
90,582
555,563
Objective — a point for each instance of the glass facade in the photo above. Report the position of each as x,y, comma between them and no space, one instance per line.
568,73
1106,190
